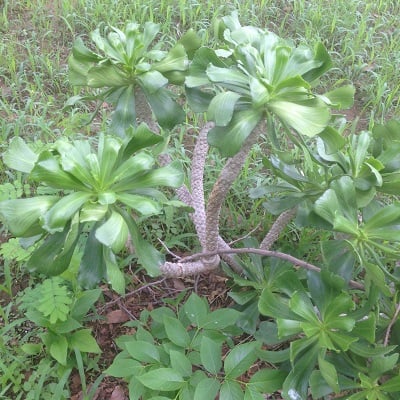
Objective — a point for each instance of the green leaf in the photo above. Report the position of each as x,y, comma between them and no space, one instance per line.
144,205
106,75
19,156
93,267
59,348
231,390
53,256
48,170
176,332
115,276
22,215
308,118
63,211
329,373
180,363
220,319
385,217
342,97
196,309
332,139
139,138
240,359
123,367
206,389
392,385
222,107
85,300
124,114
55,300
142,351
148,256
167,112
163,379
113,233
297,382
267,380
275,306
210,355
229,139
84,341
251,394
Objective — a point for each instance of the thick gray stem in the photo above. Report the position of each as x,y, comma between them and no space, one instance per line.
221,188
197,182
277,227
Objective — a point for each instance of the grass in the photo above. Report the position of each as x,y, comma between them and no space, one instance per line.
37,35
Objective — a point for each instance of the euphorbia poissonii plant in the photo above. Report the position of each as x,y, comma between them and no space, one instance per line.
260,75
123,62
99,191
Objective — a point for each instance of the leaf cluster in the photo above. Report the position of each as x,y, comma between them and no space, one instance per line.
191,354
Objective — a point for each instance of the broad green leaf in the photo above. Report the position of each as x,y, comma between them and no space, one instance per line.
196,309
328,371
176,332
341,98
229,78
108,152
377,277
148,256
115,276
139,138
180,363
206,389
222,107
230,138
220,319
123,367
167,112
297,382
252,394
142,351
113,233
386,216
267,380
82,53
84,302
164,379
170,175
106,75
152,81
240,359
22,215
392,385
302,306
52,257
131,167
84,341
77,71
230,390
93,212
63,211
59,349
211,355
308,118
93,266
332,139
48,170
124,114
143,205
274,305
19,156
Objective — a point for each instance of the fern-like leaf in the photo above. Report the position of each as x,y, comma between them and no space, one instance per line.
55,300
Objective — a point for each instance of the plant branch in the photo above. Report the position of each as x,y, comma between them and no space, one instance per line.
267,253
277,227
221,188
390,326
197,182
